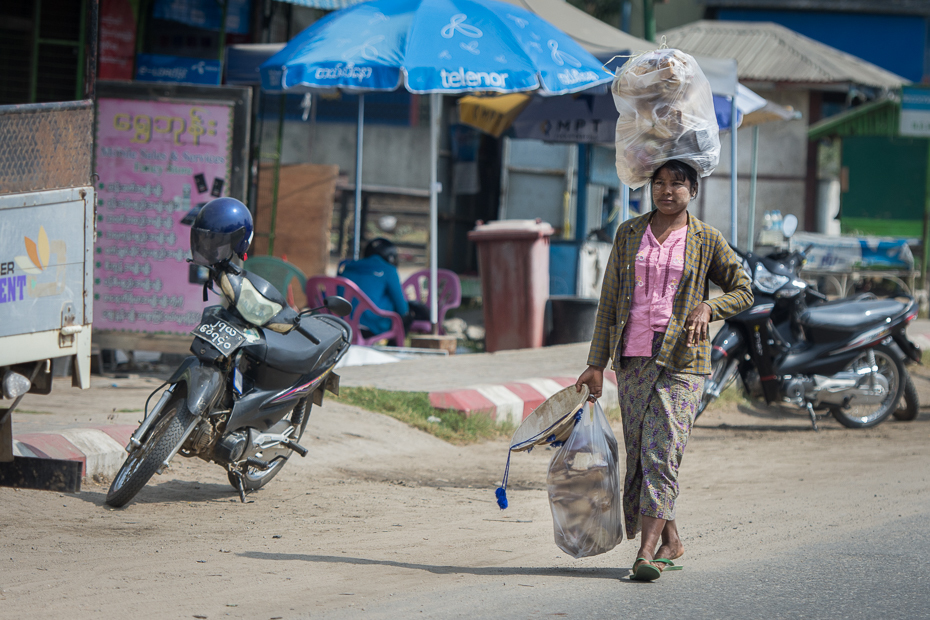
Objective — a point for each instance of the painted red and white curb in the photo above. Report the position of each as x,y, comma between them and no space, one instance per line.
99,449
514,401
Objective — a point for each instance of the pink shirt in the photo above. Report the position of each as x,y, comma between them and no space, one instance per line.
658,273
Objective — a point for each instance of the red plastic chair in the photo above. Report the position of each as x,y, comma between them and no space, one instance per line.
448,292
321,287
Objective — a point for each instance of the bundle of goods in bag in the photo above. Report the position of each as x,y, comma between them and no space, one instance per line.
584,476
549,424
666,112
584,488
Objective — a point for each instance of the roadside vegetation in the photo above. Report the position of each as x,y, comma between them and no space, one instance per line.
414,408
733,394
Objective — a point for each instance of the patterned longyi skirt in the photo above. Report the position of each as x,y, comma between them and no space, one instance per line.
657,407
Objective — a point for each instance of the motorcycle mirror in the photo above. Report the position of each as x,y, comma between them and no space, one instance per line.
338,305
789,225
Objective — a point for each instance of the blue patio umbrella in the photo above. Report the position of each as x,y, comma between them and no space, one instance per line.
431,46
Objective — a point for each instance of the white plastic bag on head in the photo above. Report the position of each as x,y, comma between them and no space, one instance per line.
584,488
666,112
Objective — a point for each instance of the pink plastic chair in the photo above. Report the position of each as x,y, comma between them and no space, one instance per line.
448,292
321,287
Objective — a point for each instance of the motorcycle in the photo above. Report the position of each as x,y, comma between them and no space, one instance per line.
795,349
243,399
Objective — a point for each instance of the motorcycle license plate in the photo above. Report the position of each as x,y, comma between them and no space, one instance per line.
223,336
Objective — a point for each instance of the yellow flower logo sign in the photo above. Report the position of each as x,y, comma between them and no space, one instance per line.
42,280
38,253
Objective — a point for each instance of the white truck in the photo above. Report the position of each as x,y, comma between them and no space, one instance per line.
47,206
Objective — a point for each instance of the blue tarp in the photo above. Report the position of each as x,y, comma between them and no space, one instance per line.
205,14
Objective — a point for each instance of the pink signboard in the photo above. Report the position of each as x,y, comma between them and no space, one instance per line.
158,163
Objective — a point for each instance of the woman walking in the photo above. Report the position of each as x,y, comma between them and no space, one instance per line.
652,321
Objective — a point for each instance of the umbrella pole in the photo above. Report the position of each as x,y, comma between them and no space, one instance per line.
625,202
753,173
435,101
734,240
358,177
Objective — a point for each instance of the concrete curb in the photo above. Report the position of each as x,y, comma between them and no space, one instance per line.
99,449
515,400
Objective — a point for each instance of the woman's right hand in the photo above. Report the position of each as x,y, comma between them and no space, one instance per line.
593,377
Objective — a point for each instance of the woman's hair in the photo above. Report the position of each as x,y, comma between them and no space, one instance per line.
681,171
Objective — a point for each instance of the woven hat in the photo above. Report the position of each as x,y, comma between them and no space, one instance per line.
552,421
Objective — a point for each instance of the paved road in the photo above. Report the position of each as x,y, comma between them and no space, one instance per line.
869,575
383,521
459,371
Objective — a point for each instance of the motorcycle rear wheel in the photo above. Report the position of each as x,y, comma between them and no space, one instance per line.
909,405
891,367
254,478
142,464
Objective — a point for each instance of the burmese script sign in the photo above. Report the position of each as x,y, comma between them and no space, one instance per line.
158,163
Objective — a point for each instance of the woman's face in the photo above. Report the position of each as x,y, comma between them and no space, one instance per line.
670,194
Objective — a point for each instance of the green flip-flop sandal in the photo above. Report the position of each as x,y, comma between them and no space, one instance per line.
643,570
669,565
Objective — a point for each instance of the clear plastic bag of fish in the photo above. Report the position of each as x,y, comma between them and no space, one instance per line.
585,493
666,112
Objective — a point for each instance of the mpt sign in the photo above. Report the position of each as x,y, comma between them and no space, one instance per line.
915,111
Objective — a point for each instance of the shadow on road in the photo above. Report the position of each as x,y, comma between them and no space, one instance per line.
170,491
490,571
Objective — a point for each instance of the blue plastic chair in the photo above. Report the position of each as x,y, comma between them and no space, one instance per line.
321,287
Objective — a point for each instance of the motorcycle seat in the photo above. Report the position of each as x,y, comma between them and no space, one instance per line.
851,315
295,353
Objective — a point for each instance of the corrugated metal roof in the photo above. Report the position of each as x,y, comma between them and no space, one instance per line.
878,118
906,7
772,53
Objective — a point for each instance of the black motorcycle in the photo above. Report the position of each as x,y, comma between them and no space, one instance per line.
242,400
795,349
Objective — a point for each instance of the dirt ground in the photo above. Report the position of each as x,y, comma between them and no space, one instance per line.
381,517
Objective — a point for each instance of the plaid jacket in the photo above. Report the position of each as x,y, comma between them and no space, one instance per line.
707,257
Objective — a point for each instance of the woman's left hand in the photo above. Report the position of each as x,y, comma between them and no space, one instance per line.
697,324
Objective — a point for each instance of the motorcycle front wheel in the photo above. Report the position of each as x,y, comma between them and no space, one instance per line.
254,478
717,373
867,416
142,464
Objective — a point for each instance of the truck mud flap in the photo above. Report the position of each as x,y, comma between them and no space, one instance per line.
26,472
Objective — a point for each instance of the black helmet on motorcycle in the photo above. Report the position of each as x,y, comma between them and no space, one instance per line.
222,228
383,248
